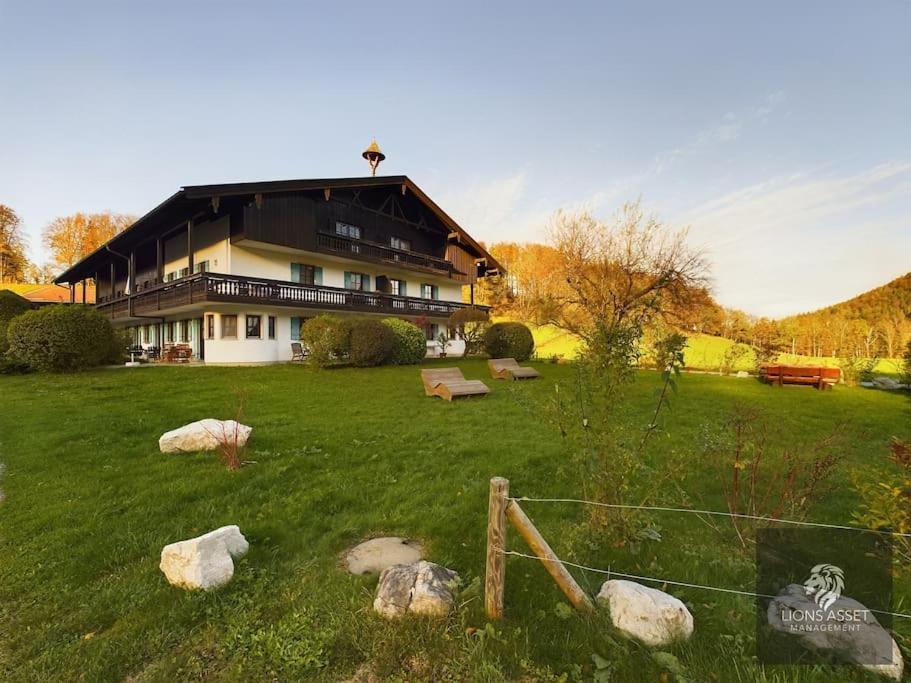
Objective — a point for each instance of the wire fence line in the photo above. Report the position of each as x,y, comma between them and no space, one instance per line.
683,584
716,513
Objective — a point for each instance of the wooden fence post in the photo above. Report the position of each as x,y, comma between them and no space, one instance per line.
547,556
494,582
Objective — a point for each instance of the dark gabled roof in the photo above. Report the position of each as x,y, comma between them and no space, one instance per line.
193,197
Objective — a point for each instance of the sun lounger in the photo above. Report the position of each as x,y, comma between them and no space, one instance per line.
449,383
508,368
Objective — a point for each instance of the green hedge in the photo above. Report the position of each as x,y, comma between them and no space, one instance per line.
410,346
372,342
509,340
328,337
62,339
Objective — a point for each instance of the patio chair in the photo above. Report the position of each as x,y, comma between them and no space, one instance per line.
299,353
450,383
508,368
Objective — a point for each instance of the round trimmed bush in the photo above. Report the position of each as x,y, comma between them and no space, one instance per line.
509,340
328,337
372,342
11,305
61,338
409,345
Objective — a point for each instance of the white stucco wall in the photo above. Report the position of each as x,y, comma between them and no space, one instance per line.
276,265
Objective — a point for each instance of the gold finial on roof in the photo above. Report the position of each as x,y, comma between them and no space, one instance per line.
373,155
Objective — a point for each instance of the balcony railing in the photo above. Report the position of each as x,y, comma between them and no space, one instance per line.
214,287
371,251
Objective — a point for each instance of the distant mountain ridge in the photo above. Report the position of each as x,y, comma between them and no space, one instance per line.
890,299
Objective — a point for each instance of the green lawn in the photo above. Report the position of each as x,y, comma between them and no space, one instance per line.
339,456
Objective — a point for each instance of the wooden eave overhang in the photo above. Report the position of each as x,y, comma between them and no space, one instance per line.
195,200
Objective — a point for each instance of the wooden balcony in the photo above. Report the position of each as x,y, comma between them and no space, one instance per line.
380,253
212,287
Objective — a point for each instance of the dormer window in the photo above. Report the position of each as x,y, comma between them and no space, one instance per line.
399,243
347,230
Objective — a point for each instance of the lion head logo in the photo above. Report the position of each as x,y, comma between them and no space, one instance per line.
825,584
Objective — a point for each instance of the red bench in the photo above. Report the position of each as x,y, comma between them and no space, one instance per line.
819,377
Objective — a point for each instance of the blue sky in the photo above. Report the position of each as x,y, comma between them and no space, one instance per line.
778,131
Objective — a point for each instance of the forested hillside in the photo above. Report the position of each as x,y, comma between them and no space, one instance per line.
875,324
879,318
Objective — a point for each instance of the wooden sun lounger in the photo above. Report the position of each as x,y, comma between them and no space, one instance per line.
450,383
508,368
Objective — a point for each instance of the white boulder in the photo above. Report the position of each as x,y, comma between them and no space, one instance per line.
378,554
204,435
847,629
646,614
206,561
419,588
742,373
886,383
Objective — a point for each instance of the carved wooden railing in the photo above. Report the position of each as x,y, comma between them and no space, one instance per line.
205,287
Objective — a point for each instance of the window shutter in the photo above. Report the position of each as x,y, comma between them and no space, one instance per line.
434,292
295,272
347,280
403,288
365,283
295,328
317,275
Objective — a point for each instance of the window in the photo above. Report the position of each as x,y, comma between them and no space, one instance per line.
183,327
431,331
254,326
397,287
430,291
295,328
271,327
399,243
184,272
358,281
229,327
346,230
170,276
210,326
306,274
202,267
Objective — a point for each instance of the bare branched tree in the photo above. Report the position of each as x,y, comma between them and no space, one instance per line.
621,273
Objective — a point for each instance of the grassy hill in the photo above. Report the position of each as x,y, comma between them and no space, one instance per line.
703,352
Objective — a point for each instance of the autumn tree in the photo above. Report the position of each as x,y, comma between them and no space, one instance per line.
13,262
622,273
71,238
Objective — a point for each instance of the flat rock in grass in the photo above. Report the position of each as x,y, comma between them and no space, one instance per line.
204,562
863,641
646,614
742,373
204,435
378,554
419,588
886,383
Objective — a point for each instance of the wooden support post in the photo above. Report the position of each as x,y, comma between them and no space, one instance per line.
548,558
494,582
159,261
190,244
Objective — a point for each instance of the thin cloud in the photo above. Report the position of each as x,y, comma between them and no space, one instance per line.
804,240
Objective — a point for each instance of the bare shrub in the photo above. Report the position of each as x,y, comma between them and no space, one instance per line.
758,482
